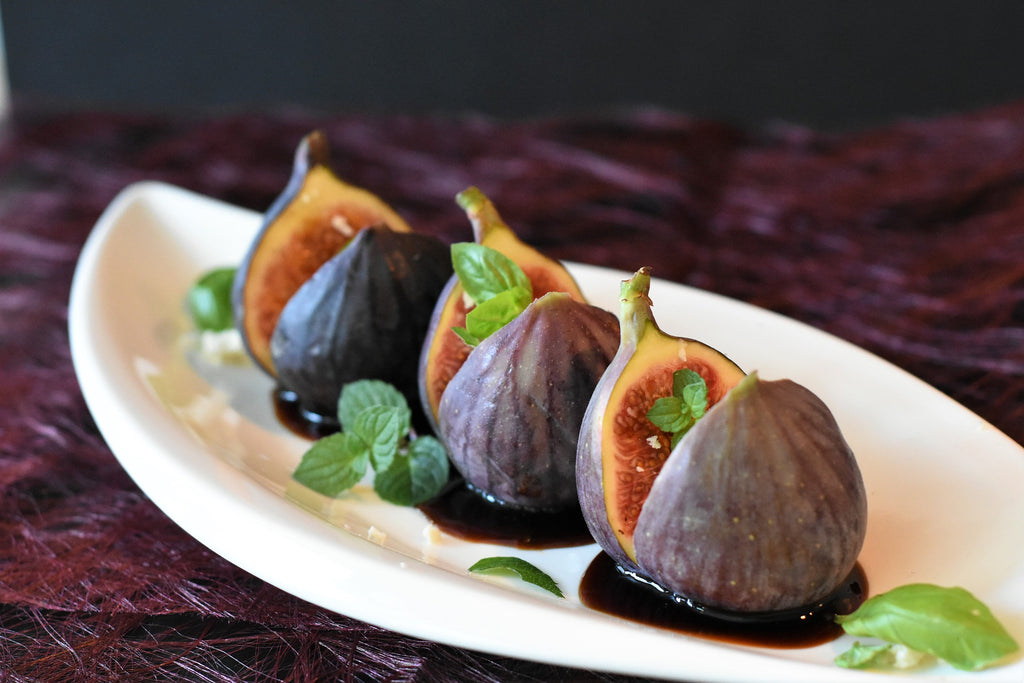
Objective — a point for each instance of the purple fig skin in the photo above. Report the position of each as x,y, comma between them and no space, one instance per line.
510,417
362,315
761,506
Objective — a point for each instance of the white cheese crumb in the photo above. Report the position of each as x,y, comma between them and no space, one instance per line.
222,348
341,224
654,442
376,535
432,534
904,657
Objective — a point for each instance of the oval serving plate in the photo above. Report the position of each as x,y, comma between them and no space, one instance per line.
201,440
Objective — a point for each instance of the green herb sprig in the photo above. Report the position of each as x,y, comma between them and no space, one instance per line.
525,570
209,300
949,623
677,413
496,284
377,432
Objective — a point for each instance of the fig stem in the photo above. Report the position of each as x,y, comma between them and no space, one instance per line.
481,211
635,315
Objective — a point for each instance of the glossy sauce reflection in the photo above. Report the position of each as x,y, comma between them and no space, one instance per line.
467,514
301,422
607,589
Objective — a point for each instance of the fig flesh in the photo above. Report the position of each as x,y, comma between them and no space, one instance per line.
511,414
760,507
620,450
443,352
313,218
362,315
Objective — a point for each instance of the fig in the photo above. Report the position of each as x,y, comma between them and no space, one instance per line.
313,218
443,351
362,315
760,507
511,414
620,450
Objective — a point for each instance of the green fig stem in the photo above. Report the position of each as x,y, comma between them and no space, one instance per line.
635,315
481,212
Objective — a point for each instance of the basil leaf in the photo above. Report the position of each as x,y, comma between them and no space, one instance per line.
382,428
494,313
949,623
209,301
866,656
333,464
526,571
892,656
359,395
465,336
485,273
416,475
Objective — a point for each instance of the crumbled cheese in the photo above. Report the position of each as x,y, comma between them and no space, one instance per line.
654,442
432,534
223,348
341,224
904,657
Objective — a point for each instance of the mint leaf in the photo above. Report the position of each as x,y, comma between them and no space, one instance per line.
526,571
333,464
378,421
491,315
677,413
949,623
414,476
692,389
670,414
362,394
484,272
382,428
209,300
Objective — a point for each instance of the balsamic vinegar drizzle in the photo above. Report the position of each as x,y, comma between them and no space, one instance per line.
466,513
299,420
607,588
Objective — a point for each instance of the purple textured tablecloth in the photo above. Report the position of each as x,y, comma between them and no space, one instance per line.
907,240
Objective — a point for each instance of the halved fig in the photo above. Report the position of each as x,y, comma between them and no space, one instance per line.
620,450
444,351
362,315
315,216
760,507
511,415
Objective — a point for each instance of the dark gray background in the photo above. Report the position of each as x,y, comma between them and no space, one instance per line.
833,65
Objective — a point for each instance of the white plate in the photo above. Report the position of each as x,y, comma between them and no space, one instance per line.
945,489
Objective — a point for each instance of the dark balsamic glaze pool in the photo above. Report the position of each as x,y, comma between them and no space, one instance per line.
466,513
605,587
